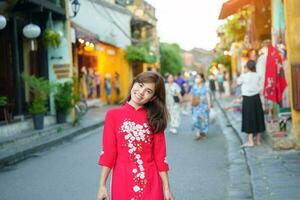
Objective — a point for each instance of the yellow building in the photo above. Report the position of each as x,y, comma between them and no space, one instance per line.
292,16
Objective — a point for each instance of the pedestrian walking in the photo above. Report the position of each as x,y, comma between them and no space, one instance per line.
220,81
134,144
212,86
107,87
201,103
173,99
186,99
253,122
226,85
117,86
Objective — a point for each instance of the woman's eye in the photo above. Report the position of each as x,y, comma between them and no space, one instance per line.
149,92
140,84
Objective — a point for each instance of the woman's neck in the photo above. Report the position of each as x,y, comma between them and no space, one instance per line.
134,105
200,84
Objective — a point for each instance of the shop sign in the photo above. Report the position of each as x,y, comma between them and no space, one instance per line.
62,71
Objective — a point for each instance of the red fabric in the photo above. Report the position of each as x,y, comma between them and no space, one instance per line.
275,82
134,153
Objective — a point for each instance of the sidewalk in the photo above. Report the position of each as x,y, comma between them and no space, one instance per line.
274,174
23,145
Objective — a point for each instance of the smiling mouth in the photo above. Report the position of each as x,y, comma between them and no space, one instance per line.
137,96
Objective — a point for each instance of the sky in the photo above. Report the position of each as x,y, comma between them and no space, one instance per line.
190,23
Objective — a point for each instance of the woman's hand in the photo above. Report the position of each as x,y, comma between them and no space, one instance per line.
168,195
103,193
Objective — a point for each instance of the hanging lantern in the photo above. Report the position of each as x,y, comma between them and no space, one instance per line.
31,31
2,22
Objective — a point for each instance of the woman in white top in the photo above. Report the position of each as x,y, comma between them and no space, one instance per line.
173,99
253,122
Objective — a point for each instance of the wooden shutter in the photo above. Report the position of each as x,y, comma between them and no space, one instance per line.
296,85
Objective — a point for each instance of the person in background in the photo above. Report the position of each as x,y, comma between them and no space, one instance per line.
83,83
200,111
253,122
212,86
186,99
97,80
180,80
173,99
117,86
91,86
226,85
220,81
107,87
134,145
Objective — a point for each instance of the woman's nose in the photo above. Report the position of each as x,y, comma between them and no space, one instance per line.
142,92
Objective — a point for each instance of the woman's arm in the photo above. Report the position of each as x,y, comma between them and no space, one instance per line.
103,192
166,186
208,100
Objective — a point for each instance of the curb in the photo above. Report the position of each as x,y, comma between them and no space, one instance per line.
241,142
27,151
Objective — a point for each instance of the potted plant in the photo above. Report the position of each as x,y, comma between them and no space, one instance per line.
3,100
63,99
39,89
52,38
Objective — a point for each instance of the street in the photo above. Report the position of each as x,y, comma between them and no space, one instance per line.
198,169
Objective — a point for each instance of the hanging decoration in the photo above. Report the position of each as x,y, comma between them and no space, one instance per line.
2,22
51,36
31,31
275,82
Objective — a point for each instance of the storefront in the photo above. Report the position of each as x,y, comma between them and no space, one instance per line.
20,53
98,51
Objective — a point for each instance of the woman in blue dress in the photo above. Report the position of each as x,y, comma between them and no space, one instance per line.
201,111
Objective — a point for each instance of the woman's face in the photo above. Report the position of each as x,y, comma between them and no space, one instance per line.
198,79
170,79
142,93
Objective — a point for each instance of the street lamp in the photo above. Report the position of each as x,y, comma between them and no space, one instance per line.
75,5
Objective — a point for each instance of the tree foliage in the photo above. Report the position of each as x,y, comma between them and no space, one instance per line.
170,58
139,53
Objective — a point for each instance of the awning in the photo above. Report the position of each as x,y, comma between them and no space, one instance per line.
232,6
110,23
84,34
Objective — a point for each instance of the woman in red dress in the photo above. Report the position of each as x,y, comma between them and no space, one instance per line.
134,144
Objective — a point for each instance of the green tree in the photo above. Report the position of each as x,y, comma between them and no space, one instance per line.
170,58
140,53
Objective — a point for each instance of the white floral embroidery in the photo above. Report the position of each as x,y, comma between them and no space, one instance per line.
102,152
135,134
136,188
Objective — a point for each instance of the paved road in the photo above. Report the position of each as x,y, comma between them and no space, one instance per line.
199,170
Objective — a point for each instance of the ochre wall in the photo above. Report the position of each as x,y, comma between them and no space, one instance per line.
110,60
292,16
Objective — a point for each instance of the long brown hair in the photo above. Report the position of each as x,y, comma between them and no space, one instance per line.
157,113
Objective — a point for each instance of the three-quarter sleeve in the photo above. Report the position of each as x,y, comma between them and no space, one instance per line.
159,150
240,80
109,143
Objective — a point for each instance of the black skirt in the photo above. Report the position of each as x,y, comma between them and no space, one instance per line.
253,120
